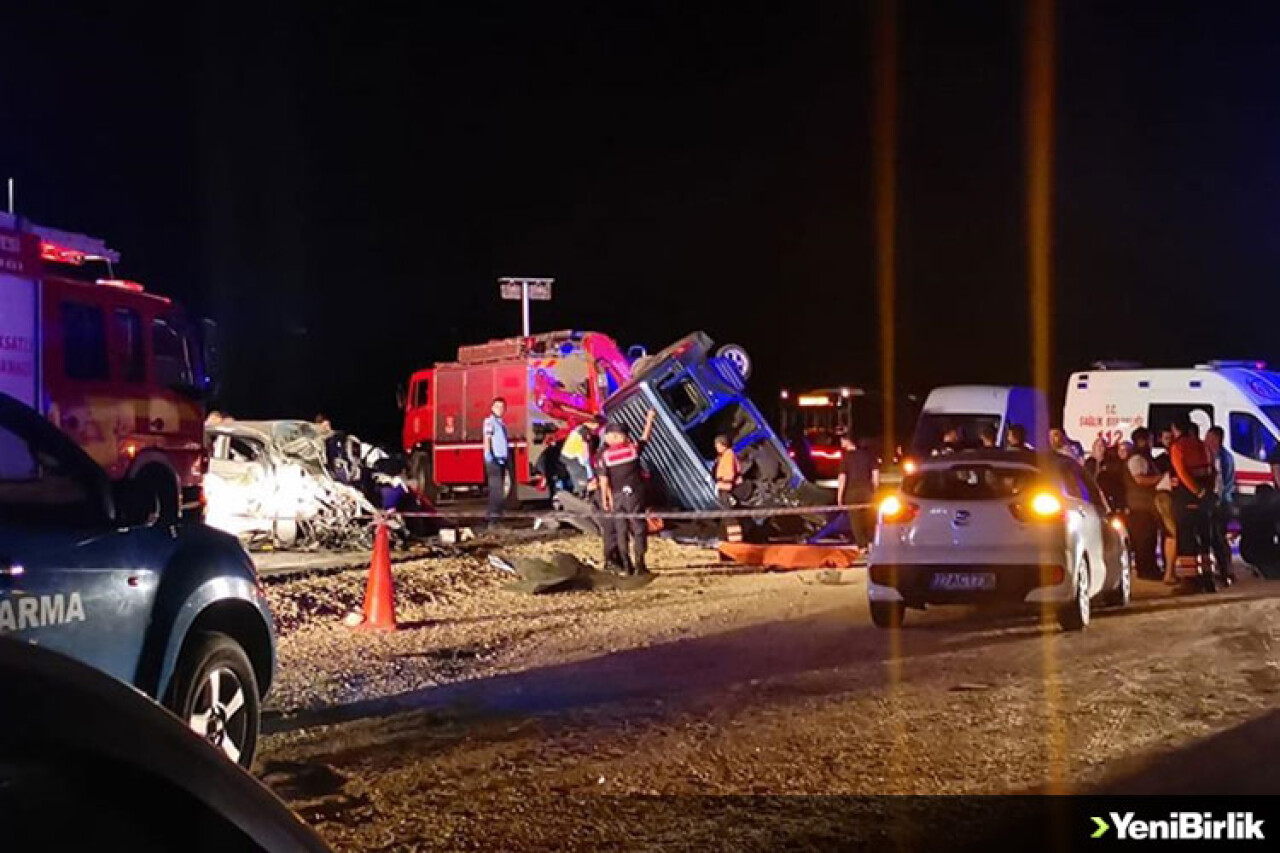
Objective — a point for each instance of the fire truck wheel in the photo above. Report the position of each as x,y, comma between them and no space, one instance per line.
422,474
163,486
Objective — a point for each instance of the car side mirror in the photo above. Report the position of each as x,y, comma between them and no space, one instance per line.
135,504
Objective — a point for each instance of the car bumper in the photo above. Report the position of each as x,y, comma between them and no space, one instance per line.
916,585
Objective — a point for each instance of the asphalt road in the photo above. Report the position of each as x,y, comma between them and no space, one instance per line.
800,696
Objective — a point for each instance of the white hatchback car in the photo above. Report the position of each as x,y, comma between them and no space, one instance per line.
998,526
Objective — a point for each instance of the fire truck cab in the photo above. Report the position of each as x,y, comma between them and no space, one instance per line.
551,382
120,370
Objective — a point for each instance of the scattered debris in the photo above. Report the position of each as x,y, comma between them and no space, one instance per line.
564,572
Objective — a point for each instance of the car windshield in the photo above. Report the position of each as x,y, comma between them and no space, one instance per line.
971,482
933,429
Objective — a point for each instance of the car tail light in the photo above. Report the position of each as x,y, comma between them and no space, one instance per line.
1041,506
894,510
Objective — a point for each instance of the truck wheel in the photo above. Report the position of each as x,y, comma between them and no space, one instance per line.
215,692
422,473
163,486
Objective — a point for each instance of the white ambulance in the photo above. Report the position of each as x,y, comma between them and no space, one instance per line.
1242,397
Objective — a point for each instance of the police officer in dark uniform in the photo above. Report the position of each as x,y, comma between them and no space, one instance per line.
622,491
595,489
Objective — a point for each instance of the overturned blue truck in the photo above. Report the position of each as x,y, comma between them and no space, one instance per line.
699,394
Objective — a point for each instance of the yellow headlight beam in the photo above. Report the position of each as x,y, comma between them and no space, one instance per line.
1039,112
884,188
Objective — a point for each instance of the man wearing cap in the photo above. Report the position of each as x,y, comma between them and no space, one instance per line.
622,491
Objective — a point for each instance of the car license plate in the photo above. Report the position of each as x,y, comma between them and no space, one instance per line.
963,581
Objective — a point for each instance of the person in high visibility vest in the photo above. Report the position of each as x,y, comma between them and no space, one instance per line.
728,470
728,474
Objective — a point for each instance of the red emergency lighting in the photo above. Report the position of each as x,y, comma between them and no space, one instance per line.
123,284
826,454
60,254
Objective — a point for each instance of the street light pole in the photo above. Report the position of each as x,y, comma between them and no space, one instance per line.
524,306
526,290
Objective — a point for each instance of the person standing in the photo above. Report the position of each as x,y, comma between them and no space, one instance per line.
622,490
859,477
497,458
1192,496
728,471
1224,465
613,561
1141,478
1104,466
1224,488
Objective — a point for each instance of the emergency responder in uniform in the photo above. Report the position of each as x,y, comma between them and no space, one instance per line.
728,471
613,561
622,491
497,448
728,474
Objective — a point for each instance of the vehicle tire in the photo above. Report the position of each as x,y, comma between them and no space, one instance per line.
215,692
1123,593
1075,614
422,473
888,614
160,482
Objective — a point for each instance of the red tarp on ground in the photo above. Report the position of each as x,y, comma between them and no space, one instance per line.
792,556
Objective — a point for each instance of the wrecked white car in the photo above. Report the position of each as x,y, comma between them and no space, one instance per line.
268,484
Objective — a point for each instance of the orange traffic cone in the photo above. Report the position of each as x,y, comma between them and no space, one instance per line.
379,594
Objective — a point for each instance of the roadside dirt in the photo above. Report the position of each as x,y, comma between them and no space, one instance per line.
604,719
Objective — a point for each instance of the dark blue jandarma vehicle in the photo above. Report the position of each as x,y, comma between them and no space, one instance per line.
175,610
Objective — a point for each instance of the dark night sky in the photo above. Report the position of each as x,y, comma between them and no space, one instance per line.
339,189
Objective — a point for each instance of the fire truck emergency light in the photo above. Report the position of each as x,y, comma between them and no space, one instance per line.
124,284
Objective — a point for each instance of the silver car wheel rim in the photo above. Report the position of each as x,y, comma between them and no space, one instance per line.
218,713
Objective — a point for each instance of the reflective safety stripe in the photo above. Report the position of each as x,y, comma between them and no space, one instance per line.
620,455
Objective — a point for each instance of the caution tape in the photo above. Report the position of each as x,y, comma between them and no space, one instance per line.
562,515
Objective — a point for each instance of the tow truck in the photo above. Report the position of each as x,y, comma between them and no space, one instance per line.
121,371
551,382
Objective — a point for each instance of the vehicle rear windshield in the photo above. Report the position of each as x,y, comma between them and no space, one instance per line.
977,482
932,429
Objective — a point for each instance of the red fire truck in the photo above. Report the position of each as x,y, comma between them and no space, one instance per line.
552,382
120,370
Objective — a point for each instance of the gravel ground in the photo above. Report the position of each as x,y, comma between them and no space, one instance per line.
458,621
601,720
